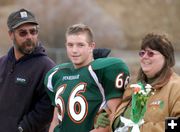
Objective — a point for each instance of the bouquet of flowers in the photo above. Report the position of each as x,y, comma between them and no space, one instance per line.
140,95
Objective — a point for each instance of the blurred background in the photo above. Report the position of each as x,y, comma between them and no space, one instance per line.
117,24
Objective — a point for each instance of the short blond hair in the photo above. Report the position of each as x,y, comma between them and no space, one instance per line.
80,28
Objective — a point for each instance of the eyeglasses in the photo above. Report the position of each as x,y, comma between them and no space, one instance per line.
23,33
149,53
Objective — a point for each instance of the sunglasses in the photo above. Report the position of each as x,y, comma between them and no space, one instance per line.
23,33
149,53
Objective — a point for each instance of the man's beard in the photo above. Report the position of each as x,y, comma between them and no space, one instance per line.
24,47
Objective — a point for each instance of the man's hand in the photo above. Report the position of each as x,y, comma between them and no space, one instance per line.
102,120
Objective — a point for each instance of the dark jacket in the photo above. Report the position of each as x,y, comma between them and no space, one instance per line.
23,99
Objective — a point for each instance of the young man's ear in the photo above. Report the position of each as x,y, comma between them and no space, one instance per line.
93,44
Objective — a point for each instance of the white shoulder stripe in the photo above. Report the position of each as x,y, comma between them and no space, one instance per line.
49,83
93,74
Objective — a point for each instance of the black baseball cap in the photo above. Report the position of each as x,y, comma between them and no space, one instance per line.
20,17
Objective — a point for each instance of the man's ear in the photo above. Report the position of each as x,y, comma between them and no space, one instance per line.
11,35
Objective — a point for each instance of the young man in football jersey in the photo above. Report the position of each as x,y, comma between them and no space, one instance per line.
82,88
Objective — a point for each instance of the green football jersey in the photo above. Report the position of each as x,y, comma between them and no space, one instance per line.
79,93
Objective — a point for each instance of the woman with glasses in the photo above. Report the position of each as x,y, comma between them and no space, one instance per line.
156,69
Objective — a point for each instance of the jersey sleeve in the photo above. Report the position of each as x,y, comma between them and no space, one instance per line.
48,82
52,78
114,75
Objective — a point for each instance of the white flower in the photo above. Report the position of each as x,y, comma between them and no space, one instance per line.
142,92
148,90
148,86
135,86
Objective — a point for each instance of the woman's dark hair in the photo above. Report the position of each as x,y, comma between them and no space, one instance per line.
159,43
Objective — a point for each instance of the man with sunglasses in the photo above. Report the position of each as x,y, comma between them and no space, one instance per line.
24,104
